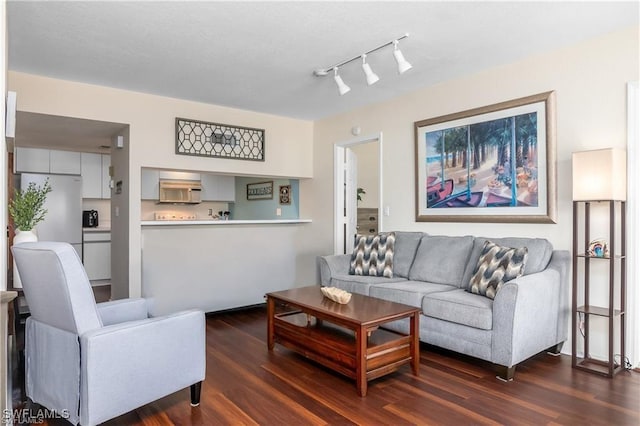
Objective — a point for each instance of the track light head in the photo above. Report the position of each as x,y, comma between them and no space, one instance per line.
342,88
368,72
403,65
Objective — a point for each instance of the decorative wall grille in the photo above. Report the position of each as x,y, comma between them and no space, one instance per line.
205,139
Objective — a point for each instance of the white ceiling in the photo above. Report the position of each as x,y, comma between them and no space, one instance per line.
260,55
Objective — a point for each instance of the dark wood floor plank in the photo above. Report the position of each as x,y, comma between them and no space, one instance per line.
246,384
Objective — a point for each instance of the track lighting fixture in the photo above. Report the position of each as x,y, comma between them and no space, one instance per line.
368,72
342,88
371,77
403,65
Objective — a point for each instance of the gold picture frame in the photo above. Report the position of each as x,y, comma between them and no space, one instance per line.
491,164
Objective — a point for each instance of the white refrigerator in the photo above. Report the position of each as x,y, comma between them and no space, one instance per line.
63,221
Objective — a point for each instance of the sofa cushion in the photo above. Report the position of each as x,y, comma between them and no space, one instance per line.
407,292
373,255
405,250
496,266
540,251
460,307
360,284
441,259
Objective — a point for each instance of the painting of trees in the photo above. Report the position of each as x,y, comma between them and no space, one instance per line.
492,158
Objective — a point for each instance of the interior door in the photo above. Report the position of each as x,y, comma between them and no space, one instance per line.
350,199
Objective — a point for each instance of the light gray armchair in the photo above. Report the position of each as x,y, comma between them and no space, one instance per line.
93,362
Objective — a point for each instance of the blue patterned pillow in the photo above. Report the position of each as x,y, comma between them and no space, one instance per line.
373,255
496,266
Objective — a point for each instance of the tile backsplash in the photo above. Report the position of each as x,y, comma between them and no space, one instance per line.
149,208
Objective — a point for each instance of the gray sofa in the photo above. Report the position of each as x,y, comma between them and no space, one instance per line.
528,315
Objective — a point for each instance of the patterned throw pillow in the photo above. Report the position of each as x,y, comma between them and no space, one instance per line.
373,255
496,266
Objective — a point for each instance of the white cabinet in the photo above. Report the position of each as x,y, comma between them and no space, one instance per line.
95,175
38,160
150,184
97,255
106,177
64,162
31,160
179,175
91,165
218,188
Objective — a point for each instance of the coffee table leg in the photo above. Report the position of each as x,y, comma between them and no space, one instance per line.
415,343
361,361
270,314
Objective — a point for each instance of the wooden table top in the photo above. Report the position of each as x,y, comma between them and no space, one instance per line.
360,310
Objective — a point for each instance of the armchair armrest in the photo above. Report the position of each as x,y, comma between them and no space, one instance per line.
530,313
122,310
131,364
333,265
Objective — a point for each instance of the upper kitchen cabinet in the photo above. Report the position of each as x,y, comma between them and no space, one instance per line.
64,162
95,175
38,160
218,188
106,176
31,160
150,184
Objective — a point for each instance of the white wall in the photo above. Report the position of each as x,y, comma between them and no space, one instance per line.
590,83
151,119
4,53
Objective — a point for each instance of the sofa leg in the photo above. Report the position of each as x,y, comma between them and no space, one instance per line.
195,394
555,350
505,373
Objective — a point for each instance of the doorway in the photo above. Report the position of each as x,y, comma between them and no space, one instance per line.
50,145
358,188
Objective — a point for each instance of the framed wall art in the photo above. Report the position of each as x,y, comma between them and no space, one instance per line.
285,194
491,164
260,191
205,139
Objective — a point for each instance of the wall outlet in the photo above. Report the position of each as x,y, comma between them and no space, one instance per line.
278,211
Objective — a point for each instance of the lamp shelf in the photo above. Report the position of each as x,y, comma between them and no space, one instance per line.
615,285
617,256
599,311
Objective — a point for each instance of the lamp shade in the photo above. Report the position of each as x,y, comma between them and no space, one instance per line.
600,175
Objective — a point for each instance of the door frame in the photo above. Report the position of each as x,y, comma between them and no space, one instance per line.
633,223
339,149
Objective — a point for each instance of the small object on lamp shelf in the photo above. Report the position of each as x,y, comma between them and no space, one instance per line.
598,248
336,294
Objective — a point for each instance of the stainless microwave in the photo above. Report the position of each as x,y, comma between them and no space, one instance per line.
180,191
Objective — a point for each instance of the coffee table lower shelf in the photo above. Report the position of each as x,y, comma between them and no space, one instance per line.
336,347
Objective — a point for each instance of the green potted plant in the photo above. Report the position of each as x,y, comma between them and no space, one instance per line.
27,207
27,210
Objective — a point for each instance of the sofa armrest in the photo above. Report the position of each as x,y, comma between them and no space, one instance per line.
333,265
530,313
128,365
117,311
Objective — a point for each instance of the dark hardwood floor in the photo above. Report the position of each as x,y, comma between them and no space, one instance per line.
247,384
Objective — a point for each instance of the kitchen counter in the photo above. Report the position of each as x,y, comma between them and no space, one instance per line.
217,265
221,222
97,229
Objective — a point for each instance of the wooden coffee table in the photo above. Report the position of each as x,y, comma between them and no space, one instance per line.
345,338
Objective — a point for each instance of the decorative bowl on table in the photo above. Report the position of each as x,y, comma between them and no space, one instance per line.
336,294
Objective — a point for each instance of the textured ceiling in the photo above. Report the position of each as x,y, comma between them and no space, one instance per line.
260,55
